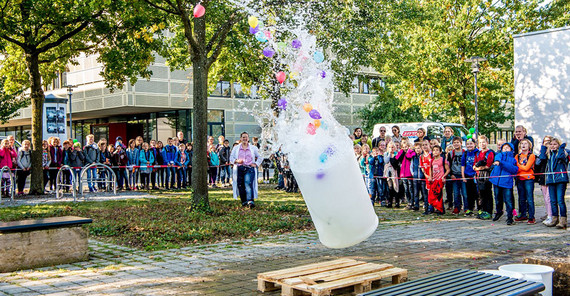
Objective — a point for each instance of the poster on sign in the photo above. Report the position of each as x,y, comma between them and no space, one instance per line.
55,118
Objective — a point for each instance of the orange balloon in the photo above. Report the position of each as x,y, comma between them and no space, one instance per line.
307,107
317,123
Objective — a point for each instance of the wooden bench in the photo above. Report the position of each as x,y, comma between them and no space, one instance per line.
323,278
43,242
462,282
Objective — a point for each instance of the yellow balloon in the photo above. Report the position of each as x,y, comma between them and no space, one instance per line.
317,123
253,21
307,107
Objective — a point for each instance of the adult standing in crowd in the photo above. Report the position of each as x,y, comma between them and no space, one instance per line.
421,132
245,158
448,138
380,138
520,134
224,155
396,137
181,139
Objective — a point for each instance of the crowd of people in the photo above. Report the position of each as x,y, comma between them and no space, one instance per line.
138,165
464,175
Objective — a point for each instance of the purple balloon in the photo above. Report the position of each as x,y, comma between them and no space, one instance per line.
282,103
320,174
315,114
323,74
296,43
268,52
330,150
252,31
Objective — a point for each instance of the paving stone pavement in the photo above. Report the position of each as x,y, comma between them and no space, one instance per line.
230,268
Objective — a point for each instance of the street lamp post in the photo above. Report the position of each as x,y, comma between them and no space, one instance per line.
70,93
475,69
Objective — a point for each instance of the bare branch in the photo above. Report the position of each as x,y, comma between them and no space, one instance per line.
183,13
224,31
162,8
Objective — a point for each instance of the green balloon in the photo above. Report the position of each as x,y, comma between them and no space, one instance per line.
469,136
471,130
281,45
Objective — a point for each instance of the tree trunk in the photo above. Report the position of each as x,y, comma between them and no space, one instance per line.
37,97
463,115
200,127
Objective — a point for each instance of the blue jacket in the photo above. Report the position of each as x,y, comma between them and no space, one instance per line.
178,160
144,159
169,154
468,160
501,174
415,168
376,166
557,163
133,156
214,159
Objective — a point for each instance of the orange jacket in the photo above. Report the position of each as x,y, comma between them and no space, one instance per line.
526,166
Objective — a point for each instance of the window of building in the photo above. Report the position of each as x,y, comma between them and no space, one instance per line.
365,89
355,86
223,89
238,91
216,123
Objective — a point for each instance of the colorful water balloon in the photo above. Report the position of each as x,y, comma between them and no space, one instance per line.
252,21
330,150
281,45
323,74
323,157
317,123
267,34
199,11
281,76
311,130
315,114
318,57
260,37
268,52
307,107
296,43
320,174
252,31
324,125
282,103
472,130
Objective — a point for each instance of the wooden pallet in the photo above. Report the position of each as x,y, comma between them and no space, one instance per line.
323,278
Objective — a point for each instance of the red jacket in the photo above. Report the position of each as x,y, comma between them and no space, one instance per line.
7,157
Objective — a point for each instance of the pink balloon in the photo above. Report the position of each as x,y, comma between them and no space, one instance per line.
311,129
199,11
267,34
280,76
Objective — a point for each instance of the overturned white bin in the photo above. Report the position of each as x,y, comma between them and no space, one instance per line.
535,273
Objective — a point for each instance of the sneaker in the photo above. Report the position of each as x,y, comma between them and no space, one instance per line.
510,222
426,213
497,216
456,211
469,213
485,216
519,218
416,209
531,221
547,221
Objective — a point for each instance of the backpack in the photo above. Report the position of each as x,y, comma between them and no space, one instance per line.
484,175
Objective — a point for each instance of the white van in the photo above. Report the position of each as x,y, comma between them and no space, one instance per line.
410,129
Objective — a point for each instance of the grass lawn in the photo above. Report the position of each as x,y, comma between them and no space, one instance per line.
166,221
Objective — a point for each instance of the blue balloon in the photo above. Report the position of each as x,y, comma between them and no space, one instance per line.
323,157
260,37
318,56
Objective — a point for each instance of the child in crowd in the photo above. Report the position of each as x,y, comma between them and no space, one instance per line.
483,167
133,160
439,170
224,152
24,164
391,175
146,160
468,175
183,159
57,157
425,165
92,155
502,177
76,160
7,157
448,185
454,157
357,150
404,157
189,170
540,178
363,161
120,159
214,163
556,159
169,156
375,173
418,182
525,186
159,161
46,159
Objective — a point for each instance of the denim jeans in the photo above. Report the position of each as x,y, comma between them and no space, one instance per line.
408,191
557,192
459,194
122,178
170,177
471,192
225,174
245,179
91,174
526,198
506,194
498,200
418,188
375,189
181,177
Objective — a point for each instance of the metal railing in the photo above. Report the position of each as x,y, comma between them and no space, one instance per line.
110,179
61,183
4,186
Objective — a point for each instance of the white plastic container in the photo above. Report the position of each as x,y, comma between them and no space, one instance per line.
535,273
338,200
511,274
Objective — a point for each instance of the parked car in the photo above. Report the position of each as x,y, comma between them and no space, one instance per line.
410,129
17,144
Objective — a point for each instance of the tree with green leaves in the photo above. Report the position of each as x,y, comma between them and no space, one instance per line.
10,102
40,37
